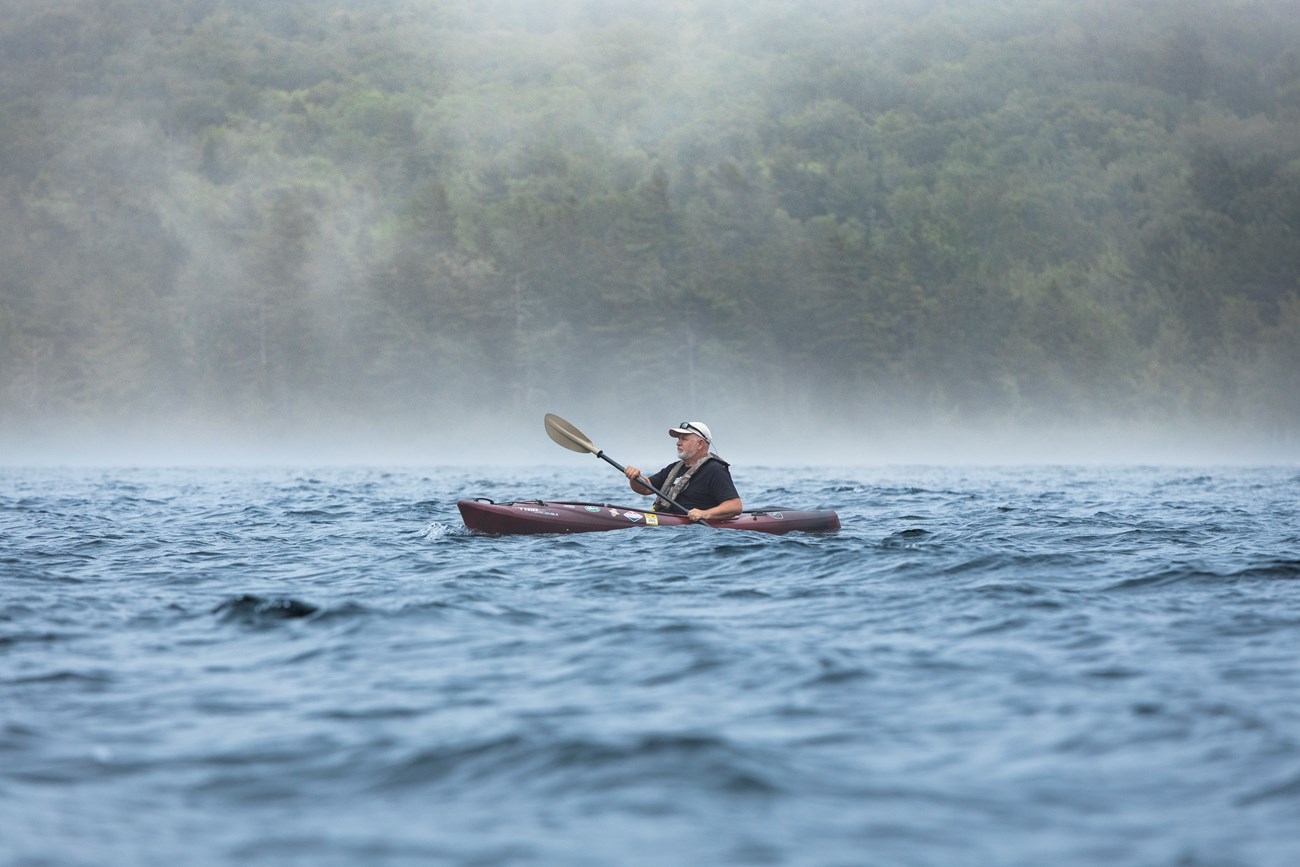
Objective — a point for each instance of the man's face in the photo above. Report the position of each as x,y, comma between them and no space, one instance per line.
688,447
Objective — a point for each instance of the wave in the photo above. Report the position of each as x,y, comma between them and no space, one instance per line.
86,678
252,609
1285,790
9,641
551,766
1270,570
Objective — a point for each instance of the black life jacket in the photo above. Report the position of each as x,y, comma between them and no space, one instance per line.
676,481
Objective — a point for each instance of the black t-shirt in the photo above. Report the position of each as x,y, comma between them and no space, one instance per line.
710,485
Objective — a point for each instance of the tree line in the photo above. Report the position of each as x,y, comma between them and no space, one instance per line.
282,213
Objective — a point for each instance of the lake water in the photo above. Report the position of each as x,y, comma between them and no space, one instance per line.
1026,666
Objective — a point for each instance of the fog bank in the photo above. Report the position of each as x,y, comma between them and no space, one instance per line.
842,233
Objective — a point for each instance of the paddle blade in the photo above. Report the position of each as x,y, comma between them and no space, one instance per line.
567,435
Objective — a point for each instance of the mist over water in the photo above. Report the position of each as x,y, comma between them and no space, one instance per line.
639,437
400,233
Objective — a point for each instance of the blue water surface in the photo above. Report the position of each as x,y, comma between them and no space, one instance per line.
1002,666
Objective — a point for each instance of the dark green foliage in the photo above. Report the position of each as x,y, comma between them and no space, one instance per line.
1028,210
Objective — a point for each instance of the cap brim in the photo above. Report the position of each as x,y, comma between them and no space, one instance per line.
679,433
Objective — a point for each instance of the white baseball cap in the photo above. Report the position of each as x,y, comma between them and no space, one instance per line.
698,428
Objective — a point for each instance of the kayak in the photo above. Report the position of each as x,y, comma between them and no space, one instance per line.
551,516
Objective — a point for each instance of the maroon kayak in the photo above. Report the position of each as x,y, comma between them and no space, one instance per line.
549,516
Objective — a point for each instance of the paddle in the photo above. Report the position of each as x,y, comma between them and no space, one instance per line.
575,440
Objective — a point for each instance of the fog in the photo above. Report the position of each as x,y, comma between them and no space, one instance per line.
840,233
761,439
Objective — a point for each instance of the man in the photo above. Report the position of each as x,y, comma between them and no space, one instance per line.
700,480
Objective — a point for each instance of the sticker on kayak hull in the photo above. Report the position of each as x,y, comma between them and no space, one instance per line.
591,508
652,520
633,516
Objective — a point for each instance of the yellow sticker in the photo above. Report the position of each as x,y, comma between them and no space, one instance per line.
652,520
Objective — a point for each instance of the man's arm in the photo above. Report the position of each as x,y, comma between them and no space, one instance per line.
726,509
637,487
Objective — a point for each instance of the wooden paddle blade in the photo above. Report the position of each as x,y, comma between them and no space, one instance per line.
568,436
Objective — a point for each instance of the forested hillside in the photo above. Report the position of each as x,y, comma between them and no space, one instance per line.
289,213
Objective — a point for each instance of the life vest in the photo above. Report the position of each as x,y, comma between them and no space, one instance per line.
676,481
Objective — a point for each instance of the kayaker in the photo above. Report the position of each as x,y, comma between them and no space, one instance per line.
699,480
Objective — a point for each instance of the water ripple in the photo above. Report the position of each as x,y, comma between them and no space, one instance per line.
988,666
